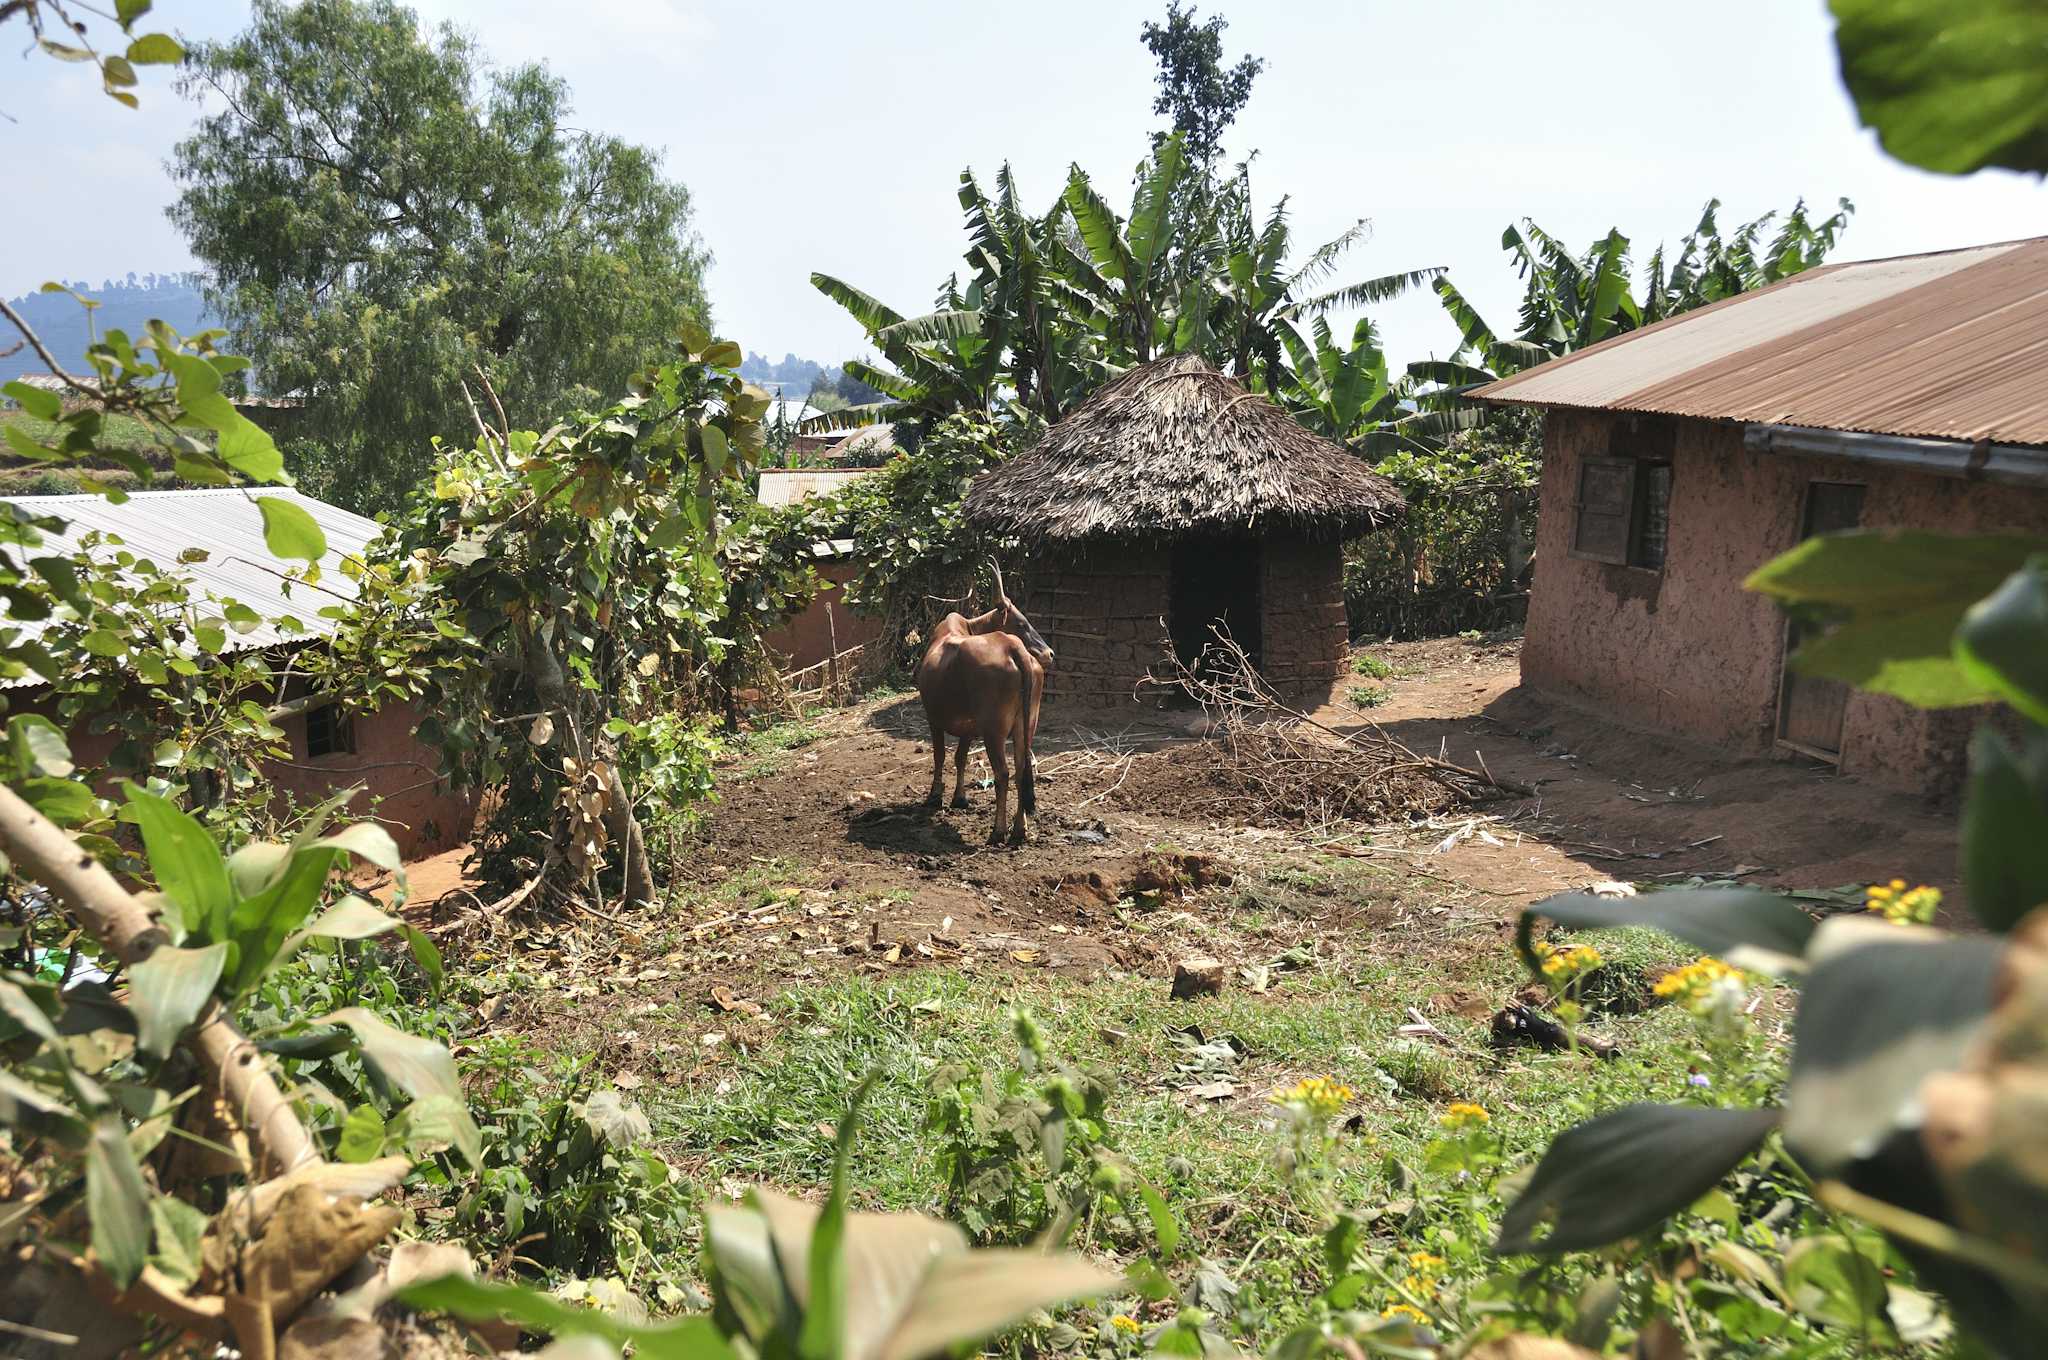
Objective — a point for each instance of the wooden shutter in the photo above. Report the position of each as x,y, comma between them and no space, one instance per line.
1601,515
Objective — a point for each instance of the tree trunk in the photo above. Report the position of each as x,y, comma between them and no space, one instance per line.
622,826
624,829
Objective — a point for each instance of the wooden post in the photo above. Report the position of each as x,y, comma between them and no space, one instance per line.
832,655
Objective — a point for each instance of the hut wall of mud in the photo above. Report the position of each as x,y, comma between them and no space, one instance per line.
1302,618
1104,607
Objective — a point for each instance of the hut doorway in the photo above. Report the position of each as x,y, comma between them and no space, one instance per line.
1215,584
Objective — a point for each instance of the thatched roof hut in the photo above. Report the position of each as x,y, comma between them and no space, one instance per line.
1173,502
1173,447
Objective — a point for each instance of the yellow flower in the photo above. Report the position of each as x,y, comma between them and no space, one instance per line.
1318,1096
1562,966
1124,1322
1423,1260
1408,1311
1463,1114
1695,980
1902,905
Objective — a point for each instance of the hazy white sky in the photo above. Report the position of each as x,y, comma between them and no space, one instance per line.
830,136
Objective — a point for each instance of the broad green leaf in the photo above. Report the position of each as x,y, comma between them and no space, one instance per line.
186,863
155,49
1951,87
1883,1008
362,1135
67,802
912,1286
1833,1283
103,642
34,1110
118,1202
615,1119
691,1339
1627,1171
2005,828
428,1126
1901,595
1751,930
37,746
425,954
167,990
37,401
723,354
256,866
179,1230
369,841
2003,642
352,918
419,1067
289,531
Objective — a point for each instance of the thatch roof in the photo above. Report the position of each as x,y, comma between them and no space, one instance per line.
1171,448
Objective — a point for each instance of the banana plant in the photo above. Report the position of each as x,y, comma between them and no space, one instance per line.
1336,392
1125,264
1052,360
945,360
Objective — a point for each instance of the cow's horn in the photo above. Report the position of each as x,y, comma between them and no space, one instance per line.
1002,596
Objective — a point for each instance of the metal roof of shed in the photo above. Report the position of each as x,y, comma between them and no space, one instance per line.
1952,345
227,526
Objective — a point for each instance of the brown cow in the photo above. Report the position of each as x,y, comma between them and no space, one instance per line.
982,677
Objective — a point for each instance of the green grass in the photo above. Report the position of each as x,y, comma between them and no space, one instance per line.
1367,696
767,1117
1370,666
766,750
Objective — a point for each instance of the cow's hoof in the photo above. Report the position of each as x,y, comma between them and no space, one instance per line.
931,804
961,802
1017,838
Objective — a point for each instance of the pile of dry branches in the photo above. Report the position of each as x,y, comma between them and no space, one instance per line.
1278,763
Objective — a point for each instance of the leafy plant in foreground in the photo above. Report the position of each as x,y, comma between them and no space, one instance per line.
1913,1045
797,1281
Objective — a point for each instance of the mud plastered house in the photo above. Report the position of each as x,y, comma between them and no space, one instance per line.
1899,393
332,747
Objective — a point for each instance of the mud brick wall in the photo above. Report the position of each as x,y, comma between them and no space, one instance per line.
1686,649
1101,609
1302,603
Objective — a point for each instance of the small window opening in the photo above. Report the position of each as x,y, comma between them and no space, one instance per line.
1652,520
330,731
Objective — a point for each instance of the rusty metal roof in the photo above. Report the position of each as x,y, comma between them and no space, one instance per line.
228,528
780,487
1952,345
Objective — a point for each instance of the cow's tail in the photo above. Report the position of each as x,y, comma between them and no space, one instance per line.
1027,786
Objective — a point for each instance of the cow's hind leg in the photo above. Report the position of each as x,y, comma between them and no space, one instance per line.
938,793
1027,799
960,772
999,766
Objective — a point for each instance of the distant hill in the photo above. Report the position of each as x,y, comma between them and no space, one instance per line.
798,378
125,304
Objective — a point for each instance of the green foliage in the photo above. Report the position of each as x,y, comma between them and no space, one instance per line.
1950,87
1459,558
549,586
911,543
1895,1021
383,214
1196,90
1021,1150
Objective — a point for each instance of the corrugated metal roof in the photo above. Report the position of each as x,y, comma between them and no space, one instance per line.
158,525
1951,345
780,487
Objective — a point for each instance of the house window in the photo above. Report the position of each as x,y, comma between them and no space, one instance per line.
330,731
1623,513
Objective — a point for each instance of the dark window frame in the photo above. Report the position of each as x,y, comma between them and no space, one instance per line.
330,731
1643,502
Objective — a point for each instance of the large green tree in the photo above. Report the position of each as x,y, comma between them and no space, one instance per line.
1197,90
383,214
